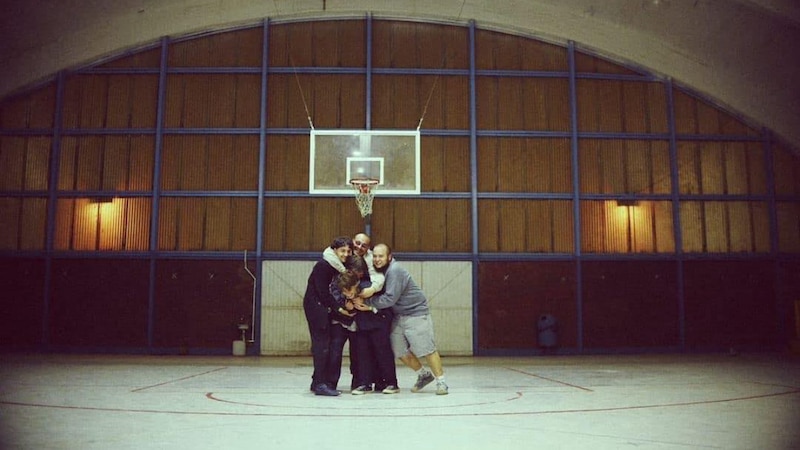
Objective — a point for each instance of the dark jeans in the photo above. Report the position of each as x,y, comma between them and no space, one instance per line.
375,358
319,326
339,335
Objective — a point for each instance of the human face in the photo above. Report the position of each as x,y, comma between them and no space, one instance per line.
361,244
342,252
380,257
350,293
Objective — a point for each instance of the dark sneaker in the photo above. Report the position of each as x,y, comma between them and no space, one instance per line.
323,389
422,381
361,390
391,389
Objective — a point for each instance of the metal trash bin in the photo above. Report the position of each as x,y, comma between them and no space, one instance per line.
548,331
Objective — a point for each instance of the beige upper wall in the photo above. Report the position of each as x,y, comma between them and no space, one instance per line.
743,53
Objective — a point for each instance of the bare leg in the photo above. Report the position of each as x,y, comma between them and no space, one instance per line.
435,363
410,360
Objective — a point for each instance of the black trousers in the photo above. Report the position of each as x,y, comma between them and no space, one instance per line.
339,336
319,326
375,360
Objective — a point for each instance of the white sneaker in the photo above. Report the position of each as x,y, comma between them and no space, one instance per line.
441,388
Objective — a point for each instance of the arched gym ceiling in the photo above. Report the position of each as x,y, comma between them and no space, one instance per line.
743,53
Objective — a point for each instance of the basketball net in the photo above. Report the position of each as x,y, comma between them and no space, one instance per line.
365,193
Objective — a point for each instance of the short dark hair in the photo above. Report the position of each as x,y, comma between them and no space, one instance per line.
347,280
341,241
356,263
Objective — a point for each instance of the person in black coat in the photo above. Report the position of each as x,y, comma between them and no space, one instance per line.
318,304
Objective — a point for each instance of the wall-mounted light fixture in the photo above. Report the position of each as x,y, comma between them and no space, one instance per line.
101,199
627,202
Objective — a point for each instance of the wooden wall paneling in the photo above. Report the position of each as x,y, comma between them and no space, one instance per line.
190,223
736,168
442,46
219,223
89,167
280,88
245,169
712,164
488,226
197,101
635,109
168,224
433,229
513,228
325,222
301,96
509,98
222,162
488,164
563,223
408,225
222,100
487,108
485,43
13,152
663,227
352,101
760,217
275,226
249,47
67,163
433,171
116,161
278,51
408,98
642,232
383,109
433,104
638,166
592,226
786,167
34,110
459,225
244,213
32,224
717,227
173,101
708,118
692,227
512,165
352,41
277,167
247,98
588,109
539,217
741,227
685,112
655,103
688,167
558,104
144,101
660,160
788,218
457,168
301,219
119,101
62,233
613,159
138,212
10,210
537,55
300,44
755,167
86,98
327,101
404,44
534,104
611,105
194,162
590,166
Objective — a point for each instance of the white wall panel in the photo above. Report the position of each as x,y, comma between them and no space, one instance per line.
448,286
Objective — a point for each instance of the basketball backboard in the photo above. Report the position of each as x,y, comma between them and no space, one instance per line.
390,156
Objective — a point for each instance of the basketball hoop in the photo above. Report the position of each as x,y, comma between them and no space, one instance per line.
365,192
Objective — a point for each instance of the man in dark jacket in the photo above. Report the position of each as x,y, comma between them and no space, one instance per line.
318,303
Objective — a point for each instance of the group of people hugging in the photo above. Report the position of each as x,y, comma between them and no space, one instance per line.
364,296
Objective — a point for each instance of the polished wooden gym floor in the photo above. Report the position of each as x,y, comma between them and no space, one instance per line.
687,401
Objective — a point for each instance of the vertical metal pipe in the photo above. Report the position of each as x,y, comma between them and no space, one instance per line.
368,100
676,211
473,166
262,173
52,204
576,186
780,307
156,196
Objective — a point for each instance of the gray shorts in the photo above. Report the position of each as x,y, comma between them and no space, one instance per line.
413,334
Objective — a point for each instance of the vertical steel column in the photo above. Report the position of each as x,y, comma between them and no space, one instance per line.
156,197
473,167
262,171
368,99
676,211
576,186
52,203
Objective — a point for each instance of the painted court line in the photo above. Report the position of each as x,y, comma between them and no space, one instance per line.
179,379
549,379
